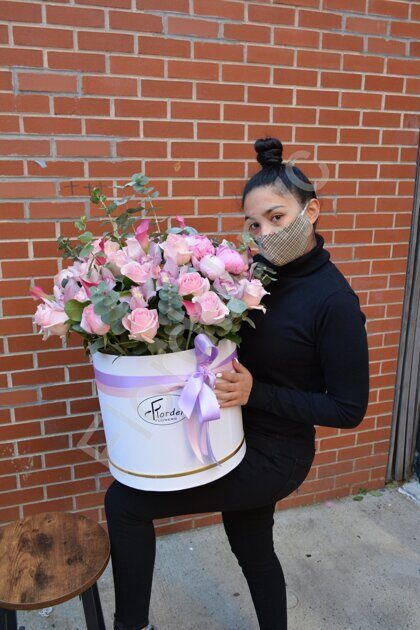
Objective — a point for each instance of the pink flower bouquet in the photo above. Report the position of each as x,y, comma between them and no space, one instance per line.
134,292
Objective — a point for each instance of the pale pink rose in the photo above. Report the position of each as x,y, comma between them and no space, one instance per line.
137,299
52,319
72,291
193,310
111,247
201,246
213,310
176,247
84,271
138,272
62,275
142,323
92,323
234,262
169,272
87,274
192,283
154,253
148,289
211,266
253,292
108,277
116,259
226,286
133,249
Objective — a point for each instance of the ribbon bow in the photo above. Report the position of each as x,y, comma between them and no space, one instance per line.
199,402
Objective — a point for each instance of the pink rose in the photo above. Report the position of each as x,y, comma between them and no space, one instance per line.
138,272
211,266
52,319
133,249
192,283
177,248
201,245
227,287
142,323
116,259
92,323
193,310
136,298
234,262
213,310
253,293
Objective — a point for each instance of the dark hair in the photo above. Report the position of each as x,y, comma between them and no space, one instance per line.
282,176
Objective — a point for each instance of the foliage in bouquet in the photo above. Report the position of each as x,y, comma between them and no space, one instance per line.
134,292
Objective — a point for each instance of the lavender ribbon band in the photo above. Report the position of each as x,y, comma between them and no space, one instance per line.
197,401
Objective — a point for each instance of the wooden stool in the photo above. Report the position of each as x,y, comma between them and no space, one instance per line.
50,558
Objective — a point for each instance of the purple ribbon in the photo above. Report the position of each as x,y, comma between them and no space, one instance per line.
199,402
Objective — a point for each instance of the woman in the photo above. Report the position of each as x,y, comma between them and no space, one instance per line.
305,364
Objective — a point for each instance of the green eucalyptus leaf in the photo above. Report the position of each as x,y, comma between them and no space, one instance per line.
236,306
117,328
96,345
111,207
85,251
86,237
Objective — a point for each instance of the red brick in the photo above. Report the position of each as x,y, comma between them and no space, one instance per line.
42,36
138,21
20,11
192,27
112,42
74,16
47,82
386,7
213,8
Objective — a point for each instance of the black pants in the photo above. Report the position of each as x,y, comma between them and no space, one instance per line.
246,497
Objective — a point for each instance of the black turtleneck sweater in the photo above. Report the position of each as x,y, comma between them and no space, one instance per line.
308,354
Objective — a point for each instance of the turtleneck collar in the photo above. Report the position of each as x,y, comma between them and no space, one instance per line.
303,265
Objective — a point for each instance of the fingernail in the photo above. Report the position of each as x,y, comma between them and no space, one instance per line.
219,374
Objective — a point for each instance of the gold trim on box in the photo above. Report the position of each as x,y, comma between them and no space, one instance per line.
191,472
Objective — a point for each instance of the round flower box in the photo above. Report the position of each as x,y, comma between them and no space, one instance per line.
163,426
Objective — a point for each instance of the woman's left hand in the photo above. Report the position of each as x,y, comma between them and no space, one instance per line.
233,388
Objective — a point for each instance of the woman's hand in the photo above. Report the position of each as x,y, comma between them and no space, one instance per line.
233,388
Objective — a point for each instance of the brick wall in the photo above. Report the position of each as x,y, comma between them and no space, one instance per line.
180,90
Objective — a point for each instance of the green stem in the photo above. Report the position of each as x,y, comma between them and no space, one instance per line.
189,335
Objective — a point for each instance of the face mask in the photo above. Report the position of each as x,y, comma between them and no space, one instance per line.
288,243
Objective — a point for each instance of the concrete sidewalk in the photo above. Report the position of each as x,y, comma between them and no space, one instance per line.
348,565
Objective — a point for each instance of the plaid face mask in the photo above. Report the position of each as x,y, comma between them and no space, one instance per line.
287,243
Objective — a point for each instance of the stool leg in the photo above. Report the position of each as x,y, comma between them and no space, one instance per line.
93,609
8,619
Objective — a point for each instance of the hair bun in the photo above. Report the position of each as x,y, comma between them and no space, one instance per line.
269,151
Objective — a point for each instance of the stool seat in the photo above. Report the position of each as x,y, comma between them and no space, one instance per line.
50,558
